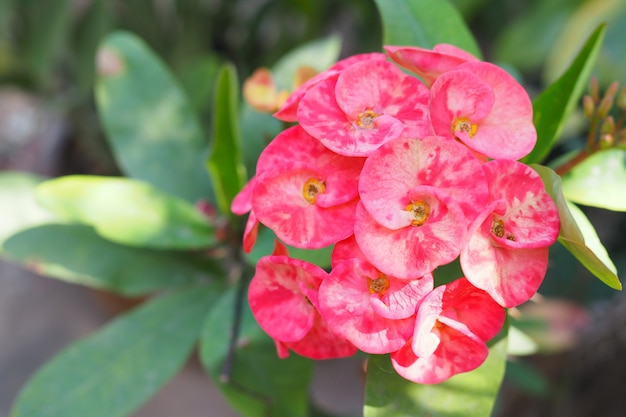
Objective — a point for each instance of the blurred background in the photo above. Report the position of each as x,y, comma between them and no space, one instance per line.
49,127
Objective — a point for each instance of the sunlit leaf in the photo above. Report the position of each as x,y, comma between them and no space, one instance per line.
77,254
260,384
599,181
151,126
225,164
424,23
18,208
520,343
112,372
579,238
471,394
555,104
127,211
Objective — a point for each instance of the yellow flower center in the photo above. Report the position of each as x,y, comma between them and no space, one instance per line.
366,119
379,285
497,228
311,188
420,210
465,126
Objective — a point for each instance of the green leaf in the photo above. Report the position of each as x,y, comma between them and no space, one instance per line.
17,202
520,343
264,246
152,128
577,234
319,54
261,384
555,104
599,181
79,255
225,164
127,211
471,394
112,372
197,77
425,23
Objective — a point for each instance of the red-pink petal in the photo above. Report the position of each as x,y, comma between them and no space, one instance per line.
346,249
276,297
322,343
346,304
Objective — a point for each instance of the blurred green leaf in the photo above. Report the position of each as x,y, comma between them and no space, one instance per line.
577,235
257,130
526,42
599,181
225,164
520,343
197,77
92,26
470,394
18,208
580,24
425,23
261,384
556,103
127,211
112,372
527,377
265,246
77,254
150,124
47,26
319,55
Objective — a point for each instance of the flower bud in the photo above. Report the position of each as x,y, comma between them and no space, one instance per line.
606,140
593,90
589,106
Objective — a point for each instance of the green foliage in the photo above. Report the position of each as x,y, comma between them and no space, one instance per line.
226,162
115,370
127,211
151,126
470,394
17,202
555,104
424,23
582,243
599,181
258,384
77,254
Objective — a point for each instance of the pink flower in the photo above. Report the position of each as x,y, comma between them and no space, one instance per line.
370,309
484,107
364,106
426,63
283,298
309,195
453,323
418,198
507,253
242,204
289,109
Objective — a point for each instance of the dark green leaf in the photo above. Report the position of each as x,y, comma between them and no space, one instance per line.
471,394
127,211
112,372
599,181
261,384
425,23
17,203
583,244
197,77
225,164
78,254
555,104
151,126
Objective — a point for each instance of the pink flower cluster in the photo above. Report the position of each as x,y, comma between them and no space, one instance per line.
402,174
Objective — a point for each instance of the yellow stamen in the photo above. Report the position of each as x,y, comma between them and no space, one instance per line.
464,125
311,188
420,211
379,285
366,119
